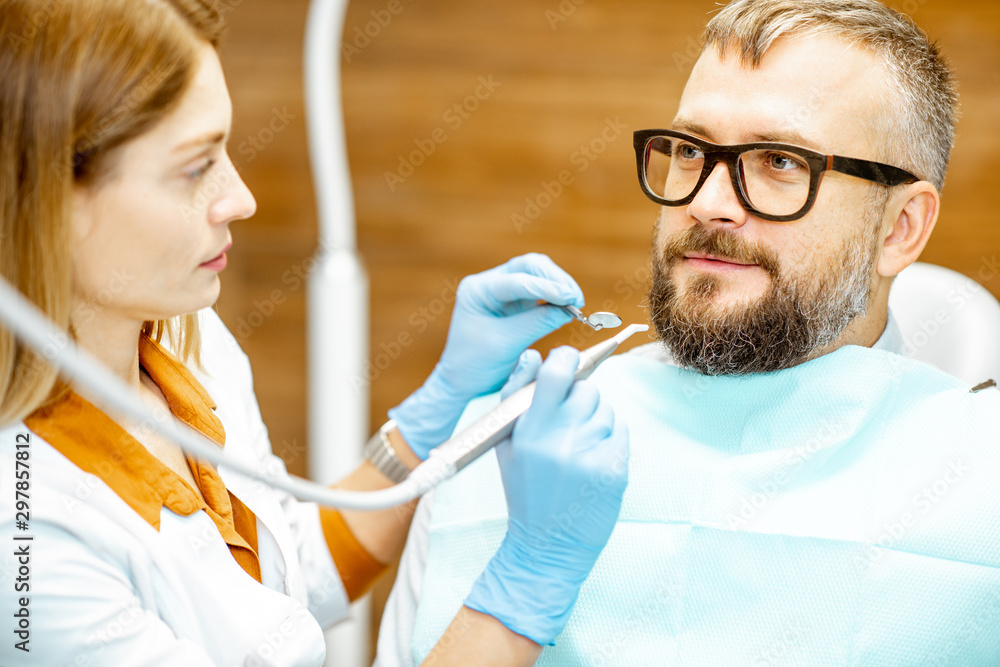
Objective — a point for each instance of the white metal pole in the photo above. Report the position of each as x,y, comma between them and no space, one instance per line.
338,300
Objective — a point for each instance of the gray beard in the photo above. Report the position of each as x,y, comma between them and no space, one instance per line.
794,318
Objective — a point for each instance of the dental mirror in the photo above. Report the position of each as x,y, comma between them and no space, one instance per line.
596,321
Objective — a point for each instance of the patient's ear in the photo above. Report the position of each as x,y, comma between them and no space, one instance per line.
913,211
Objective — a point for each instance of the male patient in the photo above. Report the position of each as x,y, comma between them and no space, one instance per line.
799,492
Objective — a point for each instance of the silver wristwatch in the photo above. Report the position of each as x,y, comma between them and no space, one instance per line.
380,453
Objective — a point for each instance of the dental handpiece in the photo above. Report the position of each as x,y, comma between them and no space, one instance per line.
491,429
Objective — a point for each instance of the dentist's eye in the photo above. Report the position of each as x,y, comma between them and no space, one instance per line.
201,171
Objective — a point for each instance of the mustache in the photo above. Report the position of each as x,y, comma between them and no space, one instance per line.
720,243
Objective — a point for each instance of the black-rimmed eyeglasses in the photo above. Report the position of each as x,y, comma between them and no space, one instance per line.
772,181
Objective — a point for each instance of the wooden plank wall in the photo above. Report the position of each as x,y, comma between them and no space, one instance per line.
476,109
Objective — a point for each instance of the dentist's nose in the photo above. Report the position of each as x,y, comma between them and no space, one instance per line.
235,202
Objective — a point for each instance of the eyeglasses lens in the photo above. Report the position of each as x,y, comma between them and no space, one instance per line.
774,182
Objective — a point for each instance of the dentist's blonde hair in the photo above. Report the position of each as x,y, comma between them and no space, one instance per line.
78,79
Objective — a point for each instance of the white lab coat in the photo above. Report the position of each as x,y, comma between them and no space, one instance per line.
106,588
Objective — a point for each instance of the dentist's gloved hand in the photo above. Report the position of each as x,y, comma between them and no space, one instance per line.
564,472
497,316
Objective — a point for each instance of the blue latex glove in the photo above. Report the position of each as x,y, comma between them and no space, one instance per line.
497,316
564,472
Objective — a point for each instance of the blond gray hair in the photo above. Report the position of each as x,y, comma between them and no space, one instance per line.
917,129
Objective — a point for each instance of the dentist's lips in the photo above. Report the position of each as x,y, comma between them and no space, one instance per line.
217,263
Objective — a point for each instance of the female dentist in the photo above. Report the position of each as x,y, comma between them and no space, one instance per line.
117,196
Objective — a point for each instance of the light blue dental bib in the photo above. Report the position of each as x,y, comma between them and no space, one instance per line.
842,512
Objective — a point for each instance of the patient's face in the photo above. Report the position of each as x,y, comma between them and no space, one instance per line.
792,289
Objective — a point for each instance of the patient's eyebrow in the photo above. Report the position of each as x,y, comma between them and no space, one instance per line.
785,136
691,127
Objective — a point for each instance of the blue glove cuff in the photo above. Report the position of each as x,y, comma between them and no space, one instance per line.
429,415
526,596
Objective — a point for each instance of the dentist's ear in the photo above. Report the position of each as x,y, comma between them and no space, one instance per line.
910,218
81,212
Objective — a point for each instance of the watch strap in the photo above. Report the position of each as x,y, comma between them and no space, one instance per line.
381,454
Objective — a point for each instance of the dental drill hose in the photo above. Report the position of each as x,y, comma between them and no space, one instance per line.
100,385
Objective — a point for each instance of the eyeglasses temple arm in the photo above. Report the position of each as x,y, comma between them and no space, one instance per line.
870,171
